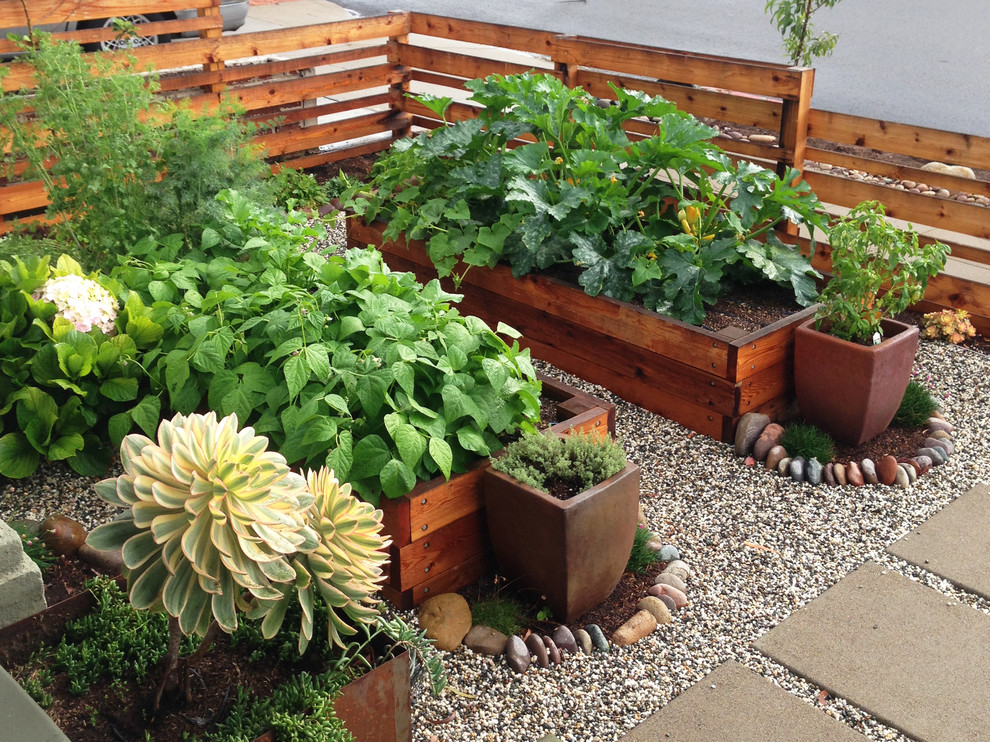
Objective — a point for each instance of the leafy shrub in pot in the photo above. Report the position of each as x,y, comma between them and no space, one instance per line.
852,367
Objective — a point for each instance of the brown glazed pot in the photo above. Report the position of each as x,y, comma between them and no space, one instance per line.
852,391
573,551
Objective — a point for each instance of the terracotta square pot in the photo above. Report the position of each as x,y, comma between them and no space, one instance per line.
571,551
852,391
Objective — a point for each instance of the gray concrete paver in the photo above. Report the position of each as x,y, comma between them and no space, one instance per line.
954,543
910,656
734,704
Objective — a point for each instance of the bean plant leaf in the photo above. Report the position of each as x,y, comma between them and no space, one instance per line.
441,454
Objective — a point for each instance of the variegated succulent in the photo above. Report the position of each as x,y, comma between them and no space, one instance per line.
215,523
344,569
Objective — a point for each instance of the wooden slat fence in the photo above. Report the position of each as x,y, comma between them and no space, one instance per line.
339,89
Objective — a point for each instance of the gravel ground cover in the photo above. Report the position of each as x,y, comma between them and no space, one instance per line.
759,545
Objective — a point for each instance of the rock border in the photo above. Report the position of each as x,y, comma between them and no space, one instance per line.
758,440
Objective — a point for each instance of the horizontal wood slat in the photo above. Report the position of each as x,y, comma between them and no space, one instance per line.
919,210
886,136
488,34
745,111
450,63
682,67
58,11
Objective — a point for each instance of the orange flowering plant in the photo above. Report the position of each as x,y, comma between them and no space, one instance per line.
952,325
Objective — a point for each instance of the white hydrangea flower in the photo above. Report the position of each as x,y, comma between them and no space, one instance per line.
82,301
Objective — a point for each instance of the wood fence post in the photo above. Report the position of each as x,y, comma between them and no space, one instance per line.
794,132
566,71
216,65
398,90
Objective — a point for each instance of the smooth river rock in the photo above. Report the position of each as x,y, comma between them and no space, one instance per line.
796,469
869,470
538,649
446,618
839,471
769,438
583,639
564,639
887,469
748,430
813,472
517,655
659,609
552,651
854,474
774,455
597,637
486,640
672,580
641,624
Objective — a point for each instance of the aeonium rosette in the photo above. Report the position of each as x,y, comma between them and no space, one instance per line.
82,301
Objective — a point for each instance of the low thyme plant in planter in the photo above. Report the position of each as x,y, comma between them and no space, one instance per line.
852,361
562,517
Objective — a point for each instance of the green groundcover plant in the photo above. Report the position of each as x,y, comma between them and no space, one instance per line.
547,175
338,360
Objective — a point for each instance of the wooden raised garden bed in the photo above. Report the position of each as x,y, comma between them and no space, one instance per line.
702,379
439,536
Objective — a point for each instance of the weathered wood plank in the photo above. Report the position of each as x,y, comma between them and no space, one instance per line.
900,172
690,415
336,155
451,63
289,92
264,67
446,548
296,140
724,106
757,351
886,136
443,582
477,32
933,212
682,67
58,11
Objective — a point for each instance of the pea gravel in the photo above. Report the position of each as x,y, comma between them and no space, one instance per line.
759,545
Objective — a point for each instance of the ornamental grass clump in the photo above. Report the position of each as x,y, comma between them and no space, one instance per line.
916,406
808,442
213,524
573,463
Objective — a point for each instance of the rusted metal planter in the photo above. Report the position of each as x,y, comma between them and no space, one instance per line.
439,537
852,390
572,552
702,379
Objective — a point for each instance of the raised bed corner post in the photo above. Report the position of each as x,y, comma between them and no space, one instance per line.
398,91
216,64
794,117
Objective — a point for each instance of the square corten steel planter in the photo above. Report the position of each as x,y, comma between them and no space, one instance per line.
572,552
853,390
704,380
439,537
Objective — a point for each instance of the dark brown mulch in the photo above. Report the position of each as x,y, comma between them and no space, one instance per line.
621,604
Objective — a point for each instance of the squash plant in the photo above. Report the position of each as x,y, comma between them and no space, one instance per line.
339,361
547,175
63,390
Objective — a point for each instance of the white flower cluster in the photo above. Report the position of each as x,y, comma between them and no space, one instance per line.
82,301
